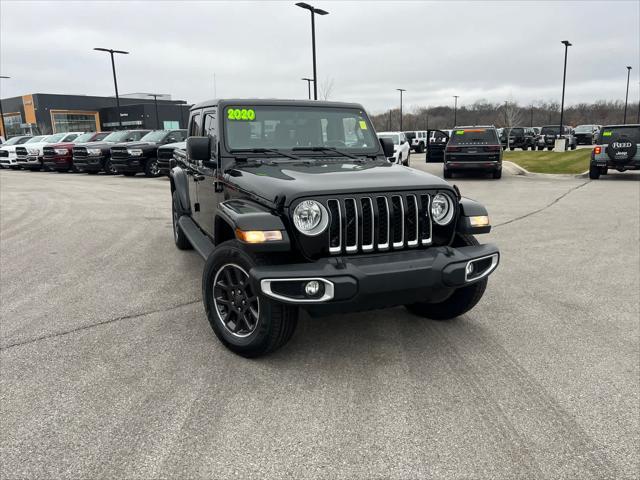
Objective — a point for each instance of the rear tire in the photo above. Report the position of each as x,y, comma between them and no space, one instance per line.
446,174
420,148
245,321
406,162
92,172
461,300
594,172
129,174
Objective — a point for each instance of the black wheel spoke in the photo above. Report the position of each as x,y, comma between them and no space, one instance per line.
237,306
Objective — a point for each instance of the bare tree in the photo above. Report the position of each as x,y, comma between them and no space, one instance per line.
325,88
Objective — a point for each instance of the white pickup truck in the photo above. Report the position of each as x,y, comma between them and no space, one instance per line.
8,151
30,154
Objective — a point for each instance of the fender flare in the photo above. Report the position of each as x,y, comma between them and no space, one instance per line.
471,208
180,184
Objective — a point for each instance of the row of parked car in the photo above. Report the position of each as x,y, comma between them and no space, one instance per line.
480,148
526,138
126,152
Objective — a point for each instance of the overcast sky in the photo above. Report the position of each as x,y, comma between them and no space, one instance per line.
496,51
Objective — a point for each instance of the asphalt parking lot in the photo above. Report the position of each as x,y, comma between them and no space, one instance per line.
109,368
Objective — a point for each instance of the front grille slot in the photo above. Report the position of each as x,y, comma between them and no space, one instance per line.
165,153
367,223
4,153
80,152
48,152
21,152
119,153
351,225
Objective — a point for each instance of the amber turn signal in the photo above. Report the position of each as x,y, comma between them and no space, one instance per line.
479,221
258,236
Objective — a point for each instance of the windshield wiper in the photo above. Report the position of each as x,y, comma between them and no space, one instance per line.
326,149
267,150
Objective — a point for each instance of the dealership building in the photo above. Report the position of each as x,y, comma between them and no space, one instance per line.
45,113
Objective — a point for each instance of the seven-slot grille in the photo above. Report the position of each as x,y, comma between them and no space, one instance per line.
21,152
119,153
379,222
48,152
80,152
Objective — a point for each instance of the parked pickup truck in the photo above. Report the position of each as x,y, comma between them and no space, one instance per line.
59,156
8,157
31,154
550,133
166,156
315,217
96,157
142,156
521,137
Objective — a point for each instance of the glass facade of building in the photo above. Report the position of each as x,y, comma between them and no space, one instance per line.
64,121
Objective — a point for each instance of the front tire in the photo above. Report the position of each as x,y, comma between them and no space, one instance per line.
108,168
181,240
245,321
497,174
151,168
406,162
461,300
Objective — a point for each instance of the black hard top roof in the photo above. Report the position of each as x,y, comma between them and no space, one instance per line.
273,102
622,125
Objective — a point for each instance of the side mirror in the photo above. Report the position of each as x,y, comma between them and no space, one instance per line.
387,147
199,148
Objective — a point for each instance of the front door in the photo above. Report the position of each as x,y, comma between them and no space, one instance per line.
208,193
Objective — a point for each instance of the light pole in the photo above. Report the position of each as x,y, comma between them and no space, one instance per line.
626,98
4,132
566,44
455,110
115,81
313,11
401,90
308,80
155,101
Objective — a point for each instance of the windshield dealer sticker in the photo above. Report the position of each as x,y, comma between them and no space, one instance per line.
459,132
607,134
246,114
363,125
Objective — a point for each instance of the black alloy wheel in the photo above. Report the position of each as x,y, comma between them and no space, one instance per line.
236,304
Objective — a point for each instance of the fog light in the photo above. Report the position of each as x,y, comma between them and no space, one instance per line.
312,288
469,268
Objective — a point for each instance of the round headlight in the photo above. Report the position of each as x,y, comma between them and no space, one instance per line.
442,209
310,217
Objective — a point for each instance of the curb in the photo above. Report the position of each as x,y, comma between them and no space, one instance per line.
523,171
518,169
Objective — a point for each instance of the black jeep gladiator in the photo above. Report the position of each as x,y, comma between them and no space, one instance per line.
294,204
96,157
521,137
142,156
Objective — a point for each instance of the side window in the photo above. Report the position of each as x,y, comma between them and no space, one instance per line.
70,137
210,128
195,126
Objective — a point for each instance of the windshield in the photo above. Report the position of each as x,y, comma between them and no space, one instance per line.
474,136
300,127
550,130
35,139
394,138
632,133
156,136
85,137
584,128
54,138
125,136
516,131
15,141
410,135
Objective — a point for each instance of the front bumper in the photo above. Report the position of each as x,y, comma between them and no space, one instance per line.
131,164
89,163
58,163
377,281
31,161
165,165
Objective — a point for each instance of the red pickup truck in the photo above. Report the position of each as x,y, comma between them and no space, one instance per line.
59,156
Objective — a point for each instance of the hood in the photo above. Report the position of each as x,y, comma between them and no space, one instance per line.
68,145
136,145
294,179
95,144
9,148
173,146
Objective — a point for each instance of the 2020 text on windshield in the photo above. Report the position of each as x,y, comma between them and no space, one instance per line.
298,128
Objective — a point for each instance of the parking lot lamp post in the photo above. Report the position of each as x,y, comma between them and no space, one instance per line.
566,44
155,101
401,90
626,98
308,80
313,11
455,110
4,132
115,81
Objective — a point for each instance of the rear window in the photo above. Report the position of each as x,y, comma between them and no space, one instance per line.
632,133
410,135
474,136
517,131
